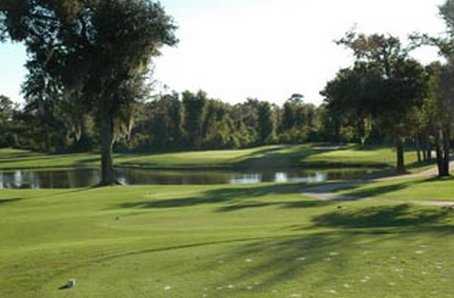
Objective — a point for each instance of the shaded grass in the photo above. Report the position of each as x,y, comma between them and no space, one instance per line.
384,216
9,201
419,189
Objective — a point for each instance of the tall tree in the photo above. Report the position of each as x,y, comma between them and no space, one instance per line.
353,95
97,52
266,123
194,111
165,120
404,83
437,112
290,113
7,110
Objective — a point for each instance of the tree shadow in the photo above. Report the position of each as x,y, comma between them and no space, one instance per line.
25,158
16,155
238,198
353,189
66,192
278,261
281,204
375,191
384,216
282,259
86,162
279,159
136,161
9,201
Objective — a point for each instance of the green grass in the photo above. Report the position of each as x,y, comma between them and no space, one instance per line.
264,240
415,190
263,157
226,241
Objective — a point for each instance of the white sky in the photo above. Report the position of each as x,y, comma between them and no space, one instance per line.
266,49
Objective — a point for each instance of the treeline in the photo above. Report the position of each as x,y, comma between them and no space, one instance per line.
169,122
388,92
195,121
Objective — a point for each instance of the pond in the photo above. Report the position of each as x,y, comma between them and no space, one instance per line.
74,178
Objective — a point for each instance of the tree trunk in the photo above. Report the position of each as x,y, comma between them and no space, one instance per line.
429,153
362,131
424,154
400,167
443,152
106,135
439,152
446,153
418,149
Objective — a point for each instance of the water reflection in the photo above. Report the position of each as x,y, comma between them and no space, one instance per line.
23,179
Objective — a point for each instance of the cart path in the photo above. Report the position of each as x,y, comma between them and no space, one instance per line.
328,191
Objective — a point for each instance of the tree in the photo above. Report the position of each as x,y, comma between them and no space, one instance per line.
246,116
7,110
404,83
353,95
290,113
437,111
163,122
43,100
266,124
330,124
96,52
194,111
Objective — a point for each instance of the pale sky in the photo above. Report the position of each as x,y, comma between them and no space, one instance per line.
266,49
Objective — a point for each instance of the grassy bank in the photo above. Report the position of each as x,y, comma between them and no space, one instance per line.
262,157
225,241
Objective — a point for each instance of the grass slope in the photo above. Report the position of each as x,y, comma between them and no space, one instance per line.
263,157
226,241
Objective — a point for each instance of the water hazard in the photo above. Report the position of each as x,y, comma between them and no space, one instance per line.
74,178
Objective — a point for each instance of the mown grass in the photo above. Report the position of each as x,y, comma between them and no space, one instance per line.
263,157
226,241
264,240
426,189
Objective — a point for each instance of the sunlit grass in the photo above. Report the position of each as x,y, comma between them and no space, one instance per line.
310,155
224,241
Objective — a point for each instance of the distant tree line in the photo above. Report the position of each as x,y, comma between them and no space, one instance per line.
187,121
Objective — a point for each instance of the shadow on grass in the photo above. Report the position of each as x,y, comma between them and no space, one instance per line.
280,261
283,204
276,157
17,155
386,228
354,189
64,192
140,160
242,198
9,201
236,198
384,216
43,162
376,191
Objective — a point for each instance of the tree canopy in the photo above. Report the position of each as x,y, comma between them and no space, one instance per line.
95,52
